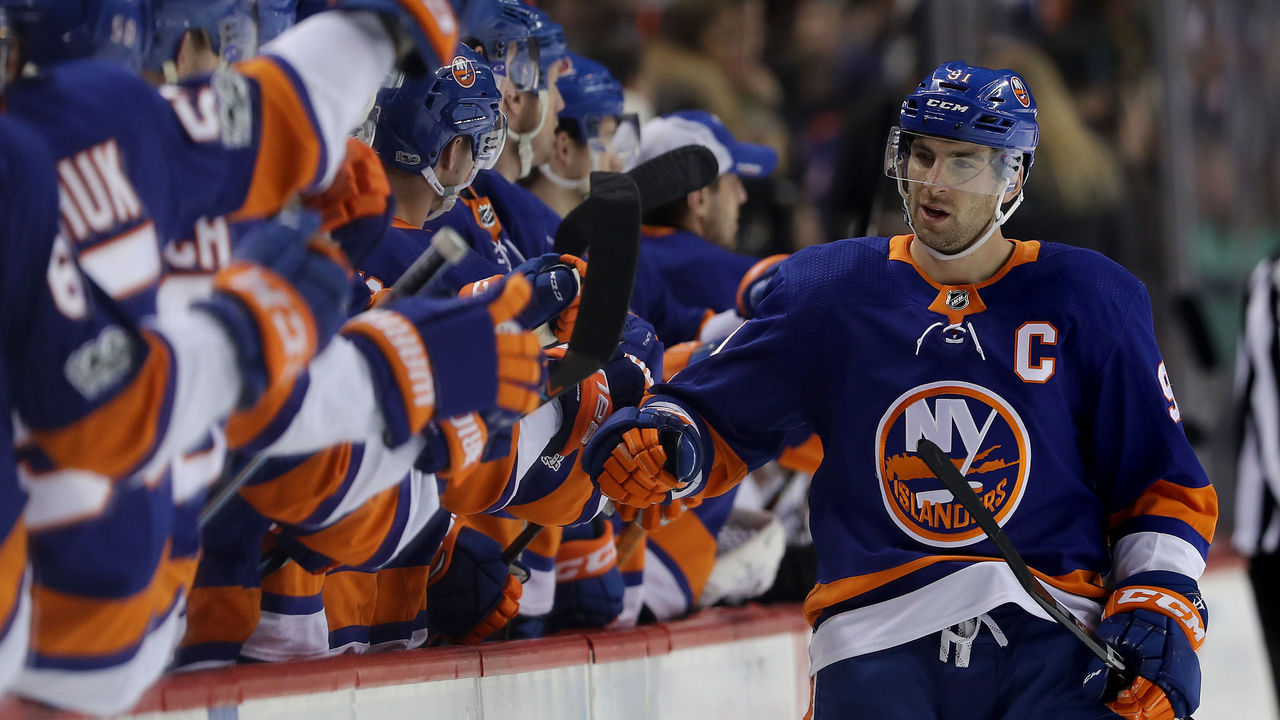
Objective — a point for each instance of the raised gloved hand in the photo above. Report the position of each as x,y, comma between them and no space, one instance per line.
447,358
557,288
281,298
640,456
425,31
589,585
621,383
1156,621
751,287
471,594
356,208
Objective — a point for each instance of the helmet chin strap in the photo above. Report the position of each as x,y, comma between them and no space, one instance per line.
582,185
524,141
999,219
449,193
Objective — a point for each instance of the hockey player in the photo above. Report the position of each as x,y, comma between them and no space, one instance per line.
433,136
690,241
229,129
593,134
1034,366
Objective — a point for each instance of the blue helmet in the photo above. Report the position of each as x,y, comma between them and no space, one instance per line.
591,94
497,26
274,17
553,49
974,104
417,118
232,27
56,30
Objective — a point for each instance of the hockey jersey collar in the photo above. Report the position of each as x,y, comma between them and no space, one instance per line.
957,301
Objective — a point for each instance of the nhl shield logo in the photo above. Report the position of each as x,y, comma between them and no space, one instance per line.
464,72
486,215
957,299
984,437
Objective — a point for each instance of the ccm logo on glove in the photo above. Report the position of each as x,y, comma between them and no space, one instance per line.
1164,602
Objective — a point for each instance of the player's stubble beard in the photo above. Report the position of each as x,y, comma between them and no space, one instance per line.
970,216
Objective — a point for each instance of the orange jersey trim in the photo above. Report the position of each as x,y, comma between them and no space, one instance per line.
479,488
400,594
289,147
729,469
118,436
294,495
1197,507
76,626
687,541
805,457
13,564
350,598
562,505
1024,251
657,230
357,536
222,614
824,595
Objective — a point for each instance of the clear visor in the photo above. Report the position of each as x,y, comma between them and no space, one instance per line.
489,146
522,65
613,137
950,164
238,38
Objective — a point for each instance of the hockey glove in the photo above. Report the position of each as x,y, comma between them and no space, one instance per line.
471,594
622,383
1156,621
432,357
556,289
655,516
589,586
356,209
280,299
455,447
640,457
751,288
425,31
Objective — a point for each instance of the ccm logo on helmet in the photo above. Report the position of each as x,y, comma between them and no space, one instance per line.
947,105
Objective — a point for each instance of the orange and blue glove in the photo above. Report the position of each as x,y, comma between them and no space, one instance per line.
1156,620
752,286
281,298
447,358
356,209
589,585
643,457
471,594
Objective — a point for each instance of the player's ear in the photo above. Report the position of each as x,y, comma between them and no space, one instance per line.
1015,187
451,154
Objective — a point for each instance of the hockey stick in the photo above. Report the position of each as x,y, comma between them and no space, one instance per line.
940,464
447,247
660,180
610,220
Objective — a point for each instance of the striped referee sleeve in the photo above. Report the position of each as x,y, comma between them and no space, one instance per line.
1257,401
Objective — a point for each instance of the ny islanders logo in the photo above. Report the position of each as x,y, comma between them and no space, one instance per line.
464,72
1020,91
986,440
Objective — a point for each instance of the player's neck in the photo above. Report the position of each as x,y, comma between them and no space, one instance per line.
968,270
414,197
558,198
508,165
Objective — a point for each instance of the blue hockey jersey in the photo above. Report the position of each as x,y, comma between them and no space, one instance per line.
1045,386
698,273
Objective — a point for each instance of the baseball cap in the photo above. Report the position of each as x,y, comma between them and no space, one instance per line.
698,127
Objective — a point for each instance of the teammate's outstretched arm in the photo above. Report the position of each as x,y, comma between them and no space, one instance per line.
727,413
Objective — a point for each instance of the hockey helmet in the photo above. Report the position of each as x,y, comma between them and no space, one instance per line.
56,30
553,49
966,104
507,32
417,118
593,103
231,25
274,17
